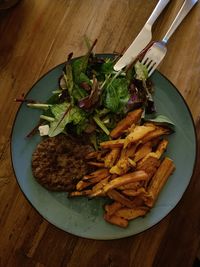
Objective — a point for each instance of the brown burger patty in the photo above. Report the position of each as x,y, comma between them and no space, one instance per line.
58,162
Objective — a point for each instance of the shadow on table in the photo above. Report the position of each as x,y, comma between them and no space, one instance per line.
10,23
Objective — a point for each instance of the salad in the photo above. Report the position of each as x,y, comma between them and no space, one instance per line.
92,97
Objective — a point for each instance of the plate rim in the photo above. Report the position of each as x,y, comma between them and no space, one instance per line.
95,238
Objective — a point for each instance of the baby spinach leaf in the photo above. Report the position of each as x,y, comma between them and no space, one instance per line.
116,95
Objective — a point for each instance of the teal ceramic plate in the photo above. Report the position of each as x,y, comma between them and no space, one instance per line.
83,217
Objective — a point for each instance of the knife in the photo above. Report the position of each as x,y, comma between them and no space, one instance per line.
143,38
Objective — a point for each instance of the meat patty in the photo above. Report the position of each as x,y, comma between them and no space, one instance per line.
58,162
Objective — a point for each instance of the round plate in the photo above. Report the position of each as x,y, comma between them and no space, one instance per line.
83,217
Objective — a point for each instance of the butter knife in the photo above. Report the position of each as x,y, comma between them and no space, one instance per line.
143,38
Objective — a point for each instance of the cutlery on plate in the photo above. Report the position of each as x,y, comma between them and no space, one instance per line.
158,50
143,38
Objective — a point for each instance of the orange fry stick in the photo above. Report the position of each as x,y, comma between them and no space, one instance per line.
116,220
111,157
143,151
134,186
130,214
99,173
115,195
121,167
96,164
112,144
124,179
112,208
84,184
162,146
138,133
159,131
133,193
101,184
149,165
158,180
80,193
132,118
92,155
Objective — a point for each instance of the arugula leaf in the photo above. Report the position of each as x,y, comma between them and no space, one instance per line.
116,95
62,118
141,71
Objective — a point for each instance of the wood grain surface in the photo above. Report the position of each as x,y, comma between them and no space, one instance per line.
34,37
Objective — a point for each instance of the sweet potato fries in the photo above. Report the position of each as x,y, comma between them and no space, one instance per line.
131,170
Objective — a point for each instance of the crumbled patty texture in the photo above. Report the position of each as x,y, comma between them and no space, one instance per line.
58,162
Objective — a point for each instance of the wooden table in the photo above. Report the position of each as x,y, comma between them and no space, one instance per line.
34,37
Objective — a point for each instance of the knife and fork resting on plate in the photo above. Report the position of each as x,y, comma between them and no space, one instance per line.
155,51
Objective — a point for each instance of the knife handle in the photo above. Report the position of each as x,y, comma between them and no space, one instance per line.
185,9
157,11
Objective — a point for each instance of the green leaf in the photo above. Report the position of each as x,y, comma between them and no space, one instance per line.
65,114
79,66
101,137
101,124
69,80
78,92
53,99
93,140
107,67
116,95
161,120
130,73
84,78
141,71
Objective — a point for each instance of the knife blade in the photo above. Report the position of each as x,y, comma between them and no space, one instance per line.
143,38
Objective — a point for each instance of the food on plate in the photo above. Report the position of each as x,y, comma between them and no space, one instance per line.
93,98
122,158
58,162
125,123
134,173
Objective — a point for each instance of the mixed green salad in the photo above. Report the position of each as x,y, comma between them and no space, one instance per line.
91,97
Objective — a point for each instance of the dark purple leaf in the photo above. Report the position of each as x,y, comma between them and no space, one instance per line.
90,100
85,86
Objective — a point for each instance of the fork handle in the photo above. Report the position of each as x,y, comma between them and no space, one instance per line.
185,9
157,11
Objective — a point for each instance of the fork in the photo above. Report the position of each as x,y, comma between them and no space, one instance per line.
158,50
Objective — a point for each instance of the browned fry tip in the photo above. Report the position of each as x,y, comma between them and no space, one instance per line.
116,220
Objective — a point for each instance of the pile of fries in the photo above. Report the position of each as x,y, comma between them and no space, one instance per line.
131,169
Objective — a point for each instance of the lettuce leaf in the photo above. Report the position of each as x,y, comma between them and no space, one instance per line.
79,66
64,114
141,72
116,95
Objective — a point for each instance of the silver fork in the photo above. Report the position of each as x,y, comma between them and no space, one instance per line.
158,50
